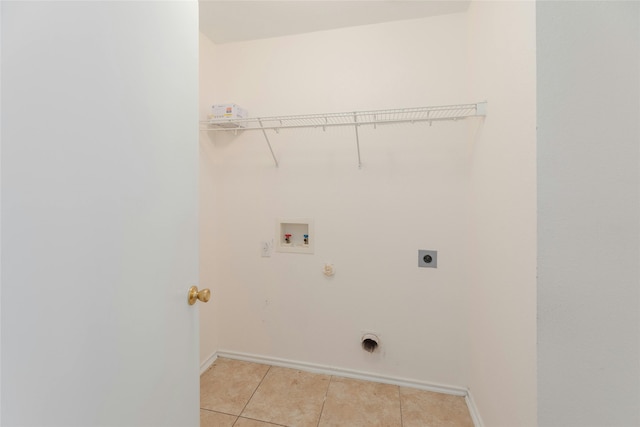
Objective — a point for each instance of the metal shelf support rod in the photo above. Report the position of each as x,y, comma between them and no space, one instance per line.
355,119
264,132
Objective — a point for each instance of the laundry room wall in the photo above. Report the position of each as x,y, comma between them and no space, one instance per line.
209,326
502,279
411,193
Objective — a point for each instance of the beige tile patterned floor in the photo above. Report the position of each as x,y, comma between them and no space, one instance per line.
243,394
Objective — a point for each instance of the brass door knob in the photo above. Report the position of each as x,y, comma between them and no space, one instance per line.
195,295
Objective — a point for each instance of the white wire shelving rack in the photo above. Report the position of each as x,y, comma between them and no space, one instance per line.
355,119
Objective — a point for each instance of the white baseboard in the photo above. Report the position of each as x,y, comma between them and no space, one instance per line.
342,372
473,410
207,363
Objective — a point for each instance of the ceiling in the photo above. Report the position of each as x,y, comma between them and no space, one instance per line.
238,20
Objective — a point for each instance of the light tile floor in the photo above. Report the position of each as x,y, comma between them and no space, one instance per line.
242,394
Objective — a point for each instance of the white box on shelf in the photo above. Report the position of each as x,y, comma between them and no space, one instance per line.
295,235
223,115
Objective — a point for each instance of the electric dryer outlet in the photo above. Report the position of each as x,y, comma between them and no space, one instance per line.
427,258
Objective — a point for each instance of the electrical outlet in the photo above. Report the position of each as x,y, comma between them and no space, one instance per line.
266,248
427,259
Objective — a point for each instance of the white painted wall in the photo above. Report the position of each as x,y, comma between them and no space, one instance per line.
502,262
589,131
465,189
411,193
207,209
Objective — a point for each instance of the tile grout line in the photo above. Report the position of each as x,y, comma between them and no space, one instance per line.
254,392
326,393
400,401
260,421
218,412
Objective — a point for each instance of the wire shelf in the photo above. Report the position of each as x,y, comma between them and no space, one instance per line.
357,118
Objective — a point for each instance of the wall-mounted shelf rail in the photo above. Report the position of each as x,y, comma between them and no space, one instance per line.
355,119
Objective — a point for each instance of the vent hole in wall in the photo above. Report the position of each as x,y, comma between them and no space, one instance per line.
369,343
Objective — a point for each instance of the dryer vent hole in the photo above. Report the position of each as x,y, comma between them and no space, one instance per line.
369,345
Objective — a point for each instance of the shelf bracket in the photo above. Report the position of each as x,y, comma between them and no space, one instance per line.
264,132
355,120
481,108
